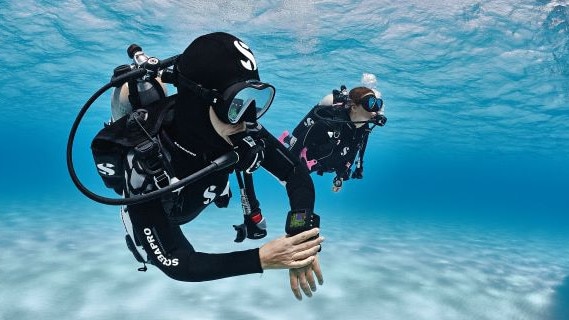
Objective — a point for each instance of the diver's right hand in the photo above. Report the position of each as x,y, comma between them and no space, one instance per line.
251,152
291,252
303,278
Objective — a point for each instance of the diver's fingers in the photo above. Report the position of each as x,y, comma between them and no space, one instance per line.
294,284
318,271
301,263
303,236
310,278
304,285
310,250
315,242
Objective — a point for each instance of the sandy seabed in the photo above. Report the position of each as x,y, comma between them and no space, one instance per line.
55,265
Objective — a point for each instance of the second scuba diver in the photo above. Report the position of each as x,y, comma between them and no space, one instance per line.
336,131
215,111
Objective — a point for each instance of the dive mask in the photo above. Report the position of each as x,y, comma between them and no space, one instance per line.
371,103
242,96
231,106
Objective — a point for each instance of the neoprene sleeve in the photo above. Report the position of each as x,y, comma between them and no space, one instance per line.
170,251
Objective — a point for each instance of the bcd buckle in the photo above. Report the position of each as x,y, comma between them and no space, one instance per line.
161,180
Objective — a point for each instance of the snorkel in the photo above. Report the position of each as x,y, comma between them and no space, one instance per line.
143,68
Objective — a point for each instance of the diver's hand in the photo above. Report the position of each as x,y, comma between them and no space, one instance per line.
303,278
291,252
254,227
251,152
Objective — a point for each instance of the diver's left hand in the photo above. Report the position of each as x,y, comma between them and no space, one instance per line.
251,152
303,278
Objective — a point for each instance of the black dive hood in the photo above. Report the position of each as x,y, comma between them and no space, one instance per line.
147,69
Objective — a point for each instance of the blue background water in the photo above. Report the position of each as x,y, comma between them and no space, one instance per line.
462,212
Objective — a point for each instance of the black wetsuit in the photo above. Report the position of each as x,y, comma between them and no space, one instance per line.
192,146
334,145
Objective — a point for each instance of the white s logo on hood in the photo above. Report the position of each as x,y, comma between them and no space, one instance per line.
249,63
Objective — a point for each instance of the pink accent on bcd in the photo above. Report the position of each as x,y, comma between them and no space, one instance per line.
309,163
283,136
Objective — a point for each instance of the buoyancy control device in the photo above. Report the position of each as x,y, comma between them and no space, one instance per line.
139,101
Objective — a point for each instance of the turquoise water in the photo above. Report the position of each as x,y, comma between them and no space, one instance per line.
462,212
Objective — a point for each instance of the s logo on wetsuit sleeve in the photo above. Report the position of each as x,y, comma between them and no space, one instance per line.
209,194
106,169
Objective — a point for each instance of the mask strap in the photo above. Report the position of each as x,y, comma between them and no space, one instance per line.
210,95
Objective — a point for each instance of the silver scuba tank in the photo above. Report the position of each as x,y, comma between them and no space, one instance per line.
148,90
148,93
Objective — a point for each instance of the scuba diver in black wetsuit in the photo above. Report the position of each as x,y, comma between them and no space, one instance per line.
335,131
215,112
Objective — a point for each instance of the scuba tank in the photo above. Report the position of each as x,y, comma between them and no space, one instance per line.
136,93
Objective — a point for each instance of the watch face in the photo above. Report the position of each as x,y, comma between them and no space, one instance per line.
297,219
